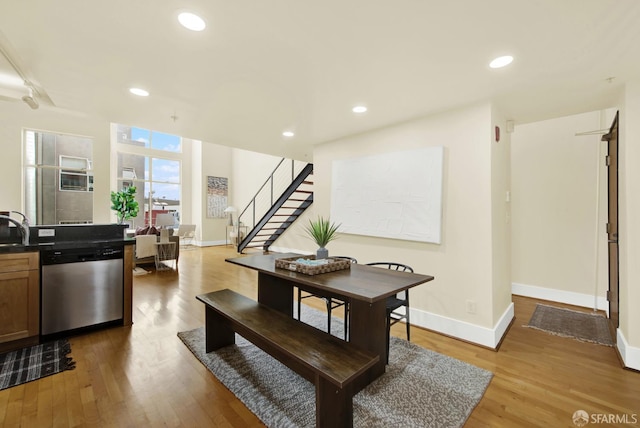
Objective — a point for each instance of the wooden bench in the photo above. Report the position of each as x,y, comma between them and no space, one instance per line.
328,362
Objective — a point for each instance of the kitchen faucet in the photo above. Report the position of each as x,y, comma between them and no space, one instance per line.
23,227
25,219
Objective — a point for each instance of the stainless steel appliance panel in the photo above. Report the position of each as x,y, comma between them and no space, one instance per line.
76,295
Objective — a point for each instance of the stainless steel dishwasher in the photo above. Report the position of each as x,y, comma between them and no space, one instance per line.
80,287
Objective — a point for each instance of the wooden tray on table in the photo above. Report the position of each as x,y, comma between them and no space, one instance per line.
293,264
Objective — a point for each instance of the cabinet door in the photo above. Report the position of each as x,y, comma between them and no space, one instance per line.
19,303
14,262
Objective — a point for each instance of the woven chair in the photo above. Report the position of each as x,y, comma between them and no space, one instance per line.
396,302
330,302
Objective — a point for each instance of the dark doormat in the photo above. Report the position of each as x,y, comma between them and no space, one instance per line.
34,362
583,326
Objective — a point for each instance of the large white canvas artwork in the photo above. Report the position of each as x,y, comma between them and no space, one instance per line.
393,195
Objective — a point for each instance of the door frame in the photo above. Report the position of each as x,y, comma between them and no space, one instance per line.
613,292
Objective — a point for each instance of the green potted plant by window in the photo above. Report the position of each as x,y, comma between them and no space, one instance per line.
124,204
322,231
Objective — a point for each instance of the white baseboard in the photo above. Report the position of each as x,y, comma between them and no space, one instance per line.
488,337
630,355
209,243
568,297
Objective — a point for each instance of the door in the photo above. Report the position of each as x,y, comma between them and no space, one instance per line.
612,225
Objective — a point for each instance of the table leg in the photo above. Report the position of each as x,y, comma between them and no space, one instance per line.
367,321
276,293
367,329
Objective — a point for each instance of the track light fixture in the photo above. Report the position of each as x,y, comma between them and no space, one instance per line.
30,100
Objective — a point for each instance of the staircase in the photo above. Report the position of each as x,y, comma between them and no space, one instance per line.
278,214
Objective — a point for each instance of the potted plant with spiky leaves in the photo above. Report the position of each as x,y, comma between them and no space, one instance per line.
322,231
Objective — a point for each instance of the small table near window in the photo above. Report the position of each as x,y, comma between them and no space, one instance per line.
235,234
165,251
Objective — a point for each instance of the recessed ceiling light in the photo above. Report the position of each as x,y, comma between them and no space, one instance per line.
139,92
501,61
288,134
359,109
191,21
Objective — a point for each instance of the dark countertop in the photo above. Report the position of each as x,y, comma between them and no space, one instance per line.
64,237
8,248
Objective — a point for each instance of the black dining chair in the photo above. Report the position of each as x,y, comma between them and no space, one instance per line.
330,302
396,302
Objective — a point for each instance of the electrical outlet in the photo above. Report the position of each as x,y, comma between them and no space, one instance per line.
471,306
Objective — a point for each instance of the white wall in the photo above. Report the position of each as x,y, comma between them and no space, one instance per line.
462,264
500,217
246,172
250,170
211,160
197,191
556,209
629,231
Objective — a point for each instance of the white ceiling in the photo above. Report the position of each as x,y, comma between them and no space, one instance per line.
262,67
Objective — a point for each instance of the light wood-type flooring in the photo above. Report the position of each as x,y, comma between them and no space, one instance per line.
143,376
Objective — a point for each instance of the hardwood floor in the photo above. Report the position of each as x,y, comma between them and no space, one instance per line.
144,375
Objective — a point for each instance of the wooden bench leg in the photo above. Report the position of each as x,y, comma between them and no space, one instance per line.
218,332
334,406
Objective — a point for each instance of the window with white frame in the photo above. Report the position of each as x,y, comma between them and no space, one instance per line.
75,174
155,174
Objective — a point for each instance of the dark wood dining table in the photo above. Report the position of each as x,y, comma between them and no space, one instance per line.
364,287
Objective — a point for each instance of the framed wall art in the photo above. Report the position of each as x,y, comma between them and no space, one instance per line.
217,196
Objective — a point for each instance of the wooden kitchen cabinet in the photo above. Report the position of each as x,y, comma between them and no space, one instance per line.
19,299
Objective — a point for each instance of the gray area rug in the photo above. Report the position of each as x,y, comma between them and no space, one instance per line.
420,388
583,326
